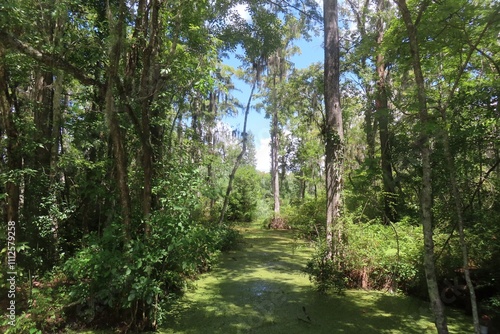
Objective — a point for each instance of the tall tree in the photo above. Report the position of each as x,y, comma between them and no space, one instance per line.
477,32
277,75
370,65
383,118
244,140
426,186
333,129
116,18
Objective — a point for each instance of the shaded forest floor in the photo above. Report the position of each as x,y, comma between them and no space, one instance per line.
261,288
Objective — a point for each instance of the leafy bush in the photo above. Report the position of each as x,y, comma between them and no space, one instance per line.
121,283
325,273
116,280
39,306
24,324
308,218
245,195
373,255
387,255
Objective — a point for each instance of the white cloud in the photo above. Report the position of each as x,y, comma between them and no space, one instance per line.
263,155
242,10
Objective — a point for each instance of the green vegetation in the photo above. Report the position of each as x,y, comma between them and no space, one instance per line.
122,183
261,287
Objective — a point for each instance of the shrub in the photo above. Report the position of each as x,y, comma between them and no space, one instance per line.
115,281
114,284
386,256
245,195
373,256
324,273
308,218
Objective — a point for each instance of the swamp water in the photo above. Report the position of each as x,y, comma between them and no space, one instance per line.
261,288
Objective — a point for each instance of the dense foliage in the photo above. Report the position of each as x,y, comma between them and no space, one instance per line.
116,162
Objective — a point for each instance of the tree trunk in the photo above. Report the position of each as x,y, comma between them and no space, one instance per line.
333,128
426,191
54,152
57,27
211,140
146,93
274,160
450,159
302,185
382,114
14,160
56,124
370,128
119,153
43,120
239,157
459,216
370,119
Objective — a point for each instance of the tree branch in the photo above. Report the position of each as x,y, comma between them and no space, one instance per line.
492,61
461,71
424,6
301,11
471,200
47,59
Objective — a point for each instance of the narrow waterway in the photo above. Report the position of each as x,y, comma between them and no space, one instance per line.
261,288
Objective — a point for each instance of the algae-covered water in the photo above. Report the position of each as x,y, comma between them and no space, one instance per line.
261,288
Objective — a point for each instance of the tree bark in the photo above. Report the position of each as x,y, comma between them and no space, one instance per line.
119,153
274,153
333,130
460,219
14,160
56,124
146,94
426,191
382,115
43,120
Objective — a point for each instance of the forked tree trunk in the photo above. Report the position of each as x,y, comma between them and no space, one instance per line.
426,191
333,130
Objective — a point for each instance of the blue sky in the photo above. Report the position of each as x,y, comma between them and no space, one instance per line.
311,52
